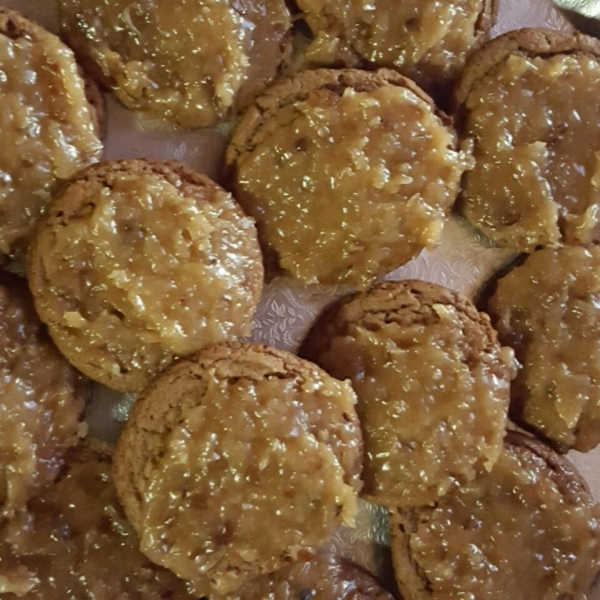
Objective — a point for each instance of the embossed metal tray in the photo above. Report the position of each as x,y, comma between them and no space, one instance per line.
463,261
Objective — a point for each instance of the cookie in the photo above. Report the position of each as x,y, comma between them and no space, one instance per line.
42,399
547,310
426,40
528,101
257,448
77,541
193,63
349,174
529,529
50,124
140,261
325,577
432,383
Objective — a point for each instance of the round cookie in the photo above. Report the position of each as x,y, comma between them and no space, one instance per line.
424,39
547,310
325,577
76,542
528,100
235,437
432,384
50,124
141,261
349,174
192,62
41,401
529,529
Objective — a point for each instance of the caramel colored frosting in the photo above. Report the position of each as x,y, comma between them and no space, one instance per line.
513,533
149,269
535,122
325,577
190,61
76,543
346,188
40,402
263,470
548,310
426,39
432,399
46,127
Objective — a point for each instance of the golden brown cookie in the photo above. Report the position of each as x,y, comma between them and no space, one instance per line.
349,174
548,310
432,383
325,577
50,124
191,62
76,542
529,529
427,40
140,261
528,100
258,449
41,401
